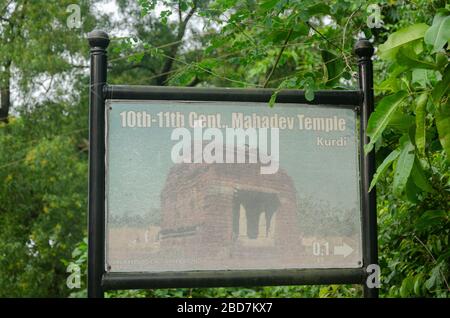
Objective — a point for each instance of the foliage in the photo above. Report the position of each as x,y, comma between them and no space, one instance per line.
411,125
43,194
30,57
243,43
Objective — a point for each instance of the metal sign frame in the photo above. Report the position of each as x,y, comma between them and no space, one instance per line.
362,101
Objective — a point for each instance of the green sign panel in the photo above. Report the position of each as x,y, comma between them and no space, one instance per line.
231,186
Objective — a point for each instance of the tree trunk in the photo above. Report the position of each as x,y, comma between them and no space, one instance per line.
5,93
170,58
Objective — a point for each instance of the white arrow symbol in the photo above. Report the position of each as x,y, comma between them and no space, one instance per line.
344,250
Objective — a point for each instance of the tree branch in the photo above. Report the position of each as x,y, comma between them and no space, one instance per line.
180,17
161,80
278,58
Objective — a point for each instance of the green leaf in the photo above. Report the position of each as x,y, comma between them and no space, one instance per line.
273,98
223,4
421,103
442,86
308,84
334,67
388,50
411,191
391,84
268,4
400,121
435,277
443,126
404,166
439,32
383,167
441,60
309,95
287,83
424,77
319,8
418,285
381,117
407,286
407,57
419,178
430,219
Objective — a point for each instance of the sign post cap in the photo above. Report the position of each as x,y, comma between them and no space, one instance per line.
98,38
364,48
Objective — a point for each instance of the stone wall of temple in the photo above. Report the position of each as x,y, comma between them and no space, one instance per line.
204,206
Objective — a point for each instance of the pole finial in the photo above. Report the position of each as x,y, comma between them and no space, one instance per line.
98,39
364,49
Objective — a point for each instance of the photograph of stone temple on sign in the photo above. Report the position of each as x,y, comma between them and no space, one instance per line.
228,212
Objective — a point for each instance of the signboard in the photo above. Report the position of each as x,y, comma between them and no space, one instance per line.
179,198
210,187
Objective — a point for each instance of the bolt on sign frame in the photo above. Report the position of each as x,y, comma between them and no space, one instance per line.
99,281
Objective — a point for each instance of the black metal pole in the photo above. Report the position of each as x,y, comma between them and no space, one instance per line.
365,50
98,41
